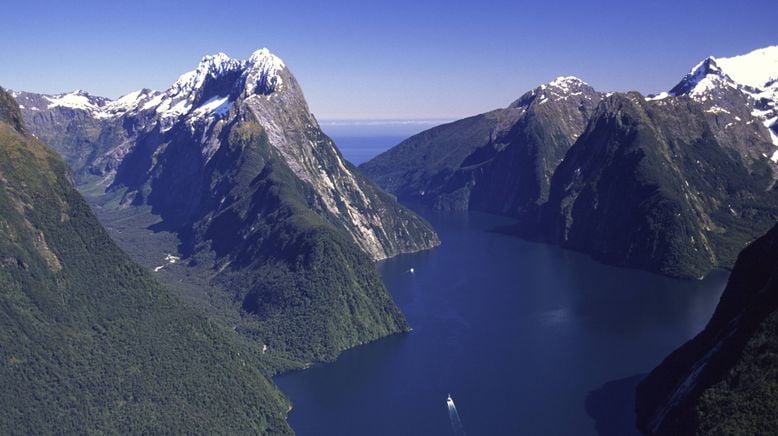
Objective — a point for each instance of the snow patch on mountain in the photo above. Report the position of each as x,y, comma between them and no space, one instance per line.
567,84
75,100
129,103
216,105
772,127
707,84
755,69
154,102
657,97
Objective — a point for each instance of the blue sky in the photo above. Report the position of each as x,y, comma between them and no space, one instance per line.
379,60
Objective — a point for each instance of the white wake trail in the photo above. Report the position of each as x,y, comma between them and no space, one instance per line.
453,415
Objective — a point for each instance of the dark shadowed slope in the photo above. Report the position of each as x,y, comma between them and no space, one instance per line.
725,380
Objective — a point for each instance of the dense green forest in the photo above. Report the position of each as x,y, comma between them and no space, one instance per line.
307,290
89,341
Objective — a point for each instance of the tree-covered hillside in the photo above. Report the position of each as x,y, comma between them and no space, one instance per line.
89,341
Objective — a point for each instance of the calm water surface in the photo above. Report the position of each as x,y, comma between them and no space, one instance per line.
522,335
360,149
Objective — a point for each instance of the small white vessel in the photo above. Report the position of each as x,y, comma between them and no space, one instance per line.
411,270
450,401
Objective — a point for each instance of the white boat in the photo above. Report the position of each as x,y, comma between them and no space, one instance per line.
450,401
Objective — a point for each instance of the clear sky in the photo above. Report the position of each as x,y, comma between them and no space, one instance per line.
379,60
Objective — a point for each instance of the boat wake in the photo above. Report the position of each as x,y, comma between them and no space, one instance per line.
453,415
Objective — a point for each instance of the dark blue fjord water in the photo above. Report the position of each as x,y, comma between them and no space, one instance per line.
528,339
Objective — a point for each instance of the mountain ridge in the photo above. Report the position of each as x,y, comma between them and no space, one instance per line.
265,209
203,97
511,139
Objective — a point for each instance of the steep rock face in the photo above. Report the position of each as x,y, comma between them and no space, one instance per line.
232,160
651,185
724,381
89,341
501,161
312,290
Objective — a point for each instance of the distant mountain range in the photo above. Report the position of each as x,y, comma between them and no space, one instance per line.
676,183
265,208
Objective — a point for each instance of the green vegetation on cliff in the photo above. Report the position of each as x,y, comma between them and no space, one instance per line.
89,342
308,292
650,185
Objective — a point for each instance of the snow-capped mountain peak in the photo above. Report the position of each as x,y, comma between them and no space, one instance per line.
199,97
263,72
561,88
753,71
77,99
704,77
219,78
211,66
263,57
753,75
565,83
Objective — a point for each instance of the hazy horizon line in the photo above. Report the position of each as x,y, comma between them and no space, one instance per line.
385,121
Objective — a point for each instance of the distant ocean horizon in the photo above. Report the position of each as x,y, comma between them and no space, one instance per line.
362,140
